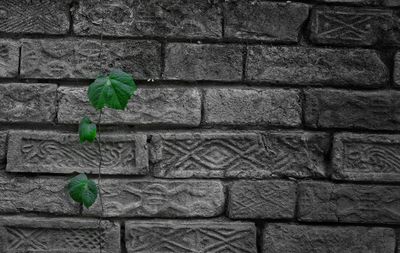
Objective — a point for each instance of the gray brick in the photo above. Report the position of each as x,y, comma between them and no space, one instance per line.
366,157
239,155
396,73
9,58
355,2
3,148
275,22
167,106
35,16
167,18
391,3
328,202
62,235
252,107
318,66
184,61
52,152
27,102
271,199
79,58
190,236
299,239
353,109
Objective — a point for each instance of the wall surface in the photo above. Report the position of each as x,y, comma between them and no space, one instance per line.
258,126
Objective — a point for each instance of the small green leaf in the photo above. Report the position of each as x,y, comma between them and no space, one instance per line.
87,130
113,91
83,190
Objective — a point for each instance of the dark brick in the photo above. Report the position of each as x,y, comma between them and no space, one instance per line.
9,58
396,73
3,149
355,2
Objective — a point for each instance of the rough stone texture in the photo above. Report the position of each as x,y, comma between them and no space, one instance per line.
28,102
396,73
32,17
184,61
356,2
61,235
167,106
327,202
391,3
320,66
366,157
167,18
376,110
252,107
275,22
262,199
52,152
79,58
239,155
9,58
3,149
190,236
287,238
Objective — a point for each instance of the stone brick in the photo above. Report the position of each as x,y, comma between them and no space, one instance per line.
35,16
52,152
239,155
28,102
252,107
61,235
354,26
376,110
275,22
355,2
167,18
327,202
190,236
391,3
298,239
9,58
366,157
196,62
167,106
262,199
79,58
3,149
396,73
318,66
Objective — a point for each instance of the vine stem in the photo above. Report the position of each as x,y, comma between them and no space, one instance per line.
99,178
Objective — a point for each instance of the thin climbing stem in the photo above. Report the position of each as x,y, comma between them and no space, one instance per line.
99,177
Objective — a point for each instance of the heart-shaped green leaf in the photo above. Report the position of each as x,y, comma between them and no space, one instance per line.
87,130
83,190
112,91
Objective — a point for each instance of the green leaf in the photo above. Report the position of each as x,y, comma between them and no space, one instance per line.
87,130
113,91
83,190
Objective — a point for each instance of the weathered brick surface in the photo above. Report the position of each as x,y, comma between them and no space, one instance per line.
262,199
79,58
27,102
239,155
184,61
170,18
9,58
3,148
396,74
252,107
53,152
391,3
328,202
167,106
356,2
298,239
305,66
376,110
277,22
366,157
190,236
62,235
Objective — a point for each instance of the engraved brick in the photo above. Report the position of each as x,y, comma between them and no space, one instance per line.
79,58
167,18
366,157
252,107
51,152
34,16
328,202
396,72
9,58
192,62
239,155
278,238
190,236
318,66
167,106
353,109
3,149
273,199
275,22
61,235
27,102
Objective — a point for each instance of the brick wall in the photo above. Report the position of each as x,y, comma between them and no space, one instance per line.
258,126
